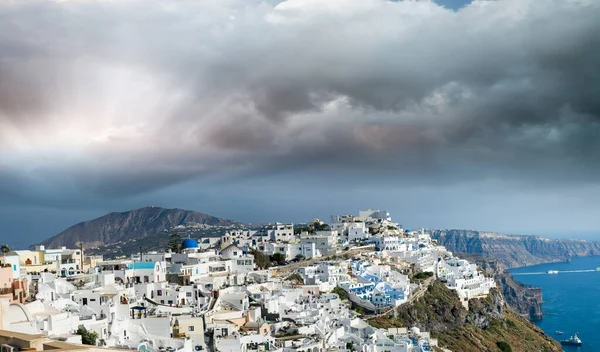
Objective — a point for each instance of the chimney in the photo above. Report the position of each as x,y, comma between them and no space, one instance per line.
81,254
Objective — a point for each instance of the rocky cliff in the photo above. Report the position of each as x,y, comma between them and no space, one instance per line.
513,250
132,225
485,326
524,299
440,310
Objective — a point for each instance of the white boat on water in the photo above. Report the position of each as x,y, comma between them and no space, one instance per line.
552,271
572,341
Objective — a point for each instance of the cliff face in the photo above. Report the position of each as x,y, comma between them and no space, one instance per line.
523,299
135,224
485,326
512,250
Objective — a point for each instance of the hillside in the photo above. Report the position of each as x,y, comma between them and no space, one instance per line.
513,250
134,225
487,325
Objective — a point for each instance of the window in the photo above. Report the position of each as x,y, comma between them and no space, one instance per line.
190,328
159,292
188,294
170,302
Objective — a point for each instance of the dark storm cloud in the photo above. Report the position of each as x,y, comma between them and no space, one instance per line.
109,98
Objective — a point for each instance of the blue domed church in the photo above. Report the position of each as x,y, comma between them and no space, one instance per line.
190,245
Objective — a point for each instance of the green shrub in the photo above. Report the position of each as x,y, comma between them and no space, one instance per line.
423,275
260,259
504,346
87,337
340,292
277,257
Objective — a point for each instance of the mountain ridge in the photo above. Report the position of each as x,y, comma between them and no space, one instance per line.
134,224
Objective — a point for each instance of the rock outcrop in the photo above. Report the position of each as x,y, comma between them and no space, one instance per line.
438,310
482,312
524,299
441,310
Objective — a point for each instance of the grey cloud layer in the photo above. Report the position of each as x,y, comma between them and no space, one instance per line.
103,98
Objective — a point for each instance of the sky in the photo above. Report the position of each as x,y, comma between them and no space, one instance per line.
449,114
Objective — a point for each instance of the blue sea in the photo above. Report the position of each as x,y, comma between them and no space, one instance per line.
571,300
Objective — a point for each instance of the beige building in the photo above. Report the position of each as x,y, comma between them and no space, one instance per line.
29,342
192,327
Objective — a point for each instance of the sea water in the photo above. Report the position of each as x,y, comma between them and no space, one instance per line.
571,300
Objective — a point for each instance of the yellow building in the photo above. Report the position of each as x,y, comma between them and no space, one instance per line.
27,257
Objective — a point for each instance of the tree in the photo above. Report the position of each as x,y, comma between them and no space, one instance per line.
260,259
4,249
299,230
87,337
278,257
174,243
320,226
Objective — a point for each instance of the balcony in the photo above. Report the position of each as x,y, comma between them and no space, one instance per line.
68,261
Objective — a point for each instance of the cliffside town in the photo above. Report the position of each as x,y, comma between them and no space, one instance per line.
359,283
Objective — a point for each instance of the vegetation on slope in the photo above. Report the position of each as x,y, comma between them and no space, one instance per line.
486,326
513,333
296,278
